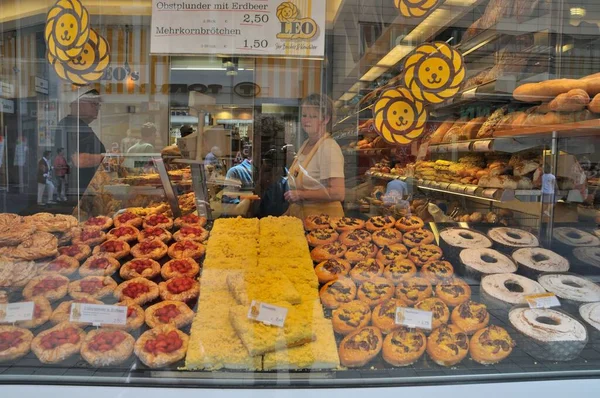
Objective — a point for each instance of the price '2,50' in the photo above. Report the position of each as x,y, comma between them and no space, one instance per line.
256,18
256,44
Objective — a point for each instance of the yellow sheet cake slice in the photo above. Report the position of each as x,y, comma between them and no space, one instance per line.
232,246
298,270
259,338
262,285
236,226
276,226
288,247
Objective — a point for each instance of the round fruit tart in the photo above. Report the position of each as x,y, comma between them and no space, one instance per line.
95,287
400,270
99,222
63,265
154,232
197,234
113,248
448,345
183,267
139,290
87,236
158,220
328,251
377,223
453,292
338,292
140,268
437,271
128,233
15,343
107,347
42,311
409,223
413,290
360,347
384,315
180,288
333,269
441,312
161,346
375,291
324,236
365,270
351,316
175,313
51,286
317,221
347,223
58,343
361,252
186,249
389,254
355,237
128,218
423,254
78,251
491,345
404,346
99,265
154,249
190,220
62,313
388,236
470,317
135,316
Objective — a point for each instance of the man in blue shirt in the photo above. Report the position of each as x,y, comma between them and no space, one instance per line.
243,172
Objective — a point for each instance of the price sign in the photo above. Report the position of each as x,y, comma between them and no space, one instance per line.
413,318
98,314
444,185
482,146
543,300
456,188
267,313
489,193
15,312
462,147
471,189
249,27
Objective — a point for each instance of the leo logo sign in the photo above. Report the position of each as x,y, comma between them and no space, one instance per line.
292,26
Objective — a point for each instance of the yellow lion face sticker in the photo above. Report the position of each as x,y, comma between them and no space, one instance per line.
67,29
416,8
399,118
287,11
87,67
434,72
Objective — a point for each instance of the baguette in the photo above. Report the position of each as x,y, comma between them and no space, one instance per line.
571,101
547,90
469,131
441,131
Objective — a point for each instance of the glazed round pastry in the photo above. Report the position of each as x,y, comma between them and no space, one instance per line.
509,289
377,223
15,342
386,237
135,316
161,346
158,220
52,223
186,249
323,236
404,346
375,291
180,267
78,252
462,238
453,292
536,260
317,222
424,254
99,222
491,345
573,237
140,268
42,311
347,224
470,317
447,345
365,270
107,347
360,347
589,256
512,238
437,271
175,313
384,315
413,290
328,252
180,288
392,253
99,265
138,290
58,343
441,312
87,236
113,248
361,252
128,218
571,287
62,313
128,233
52,286
477,263
330,270
590,313
197,234
63,265
400,270
355,237
153,249
335,293
190,220
409,223
417,237
154,232
350,316
95,287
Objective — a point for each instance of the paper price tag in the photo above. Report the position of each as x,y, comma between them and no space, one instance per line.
98,314
543,300
15,312
462,147
413,318
489,193
267,313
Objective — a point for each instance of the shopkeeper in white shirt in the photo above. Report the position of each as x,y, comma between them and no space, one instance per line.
316,177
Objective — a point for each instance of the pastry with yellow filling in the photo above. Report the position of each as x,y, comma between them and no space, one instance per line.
350,317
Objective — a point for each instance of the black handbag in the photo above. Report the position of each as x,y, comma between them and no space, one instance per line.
273,202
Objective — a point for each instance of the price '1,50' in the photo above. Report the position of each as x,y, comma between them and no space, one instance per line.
256,18
256,44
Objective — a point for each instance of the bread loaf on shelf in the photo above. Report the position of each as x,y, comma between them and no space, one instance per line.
492,123
571,101
441,131
594,105
549,89
469,131
502,182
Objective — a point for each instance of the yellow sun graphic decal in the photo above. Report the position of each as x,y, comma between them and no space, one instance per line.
416,8
67,29
399,118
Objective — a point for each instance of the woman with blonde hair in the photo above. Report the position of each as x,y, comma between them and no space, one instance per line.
316,177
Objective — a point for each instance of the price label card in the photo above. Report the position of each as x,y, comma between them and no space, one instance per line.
443,148
543,300
267,313
98,314
463,147
413,318
434,184
482,146
489,193
444,185
15,312
471,189
456,188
